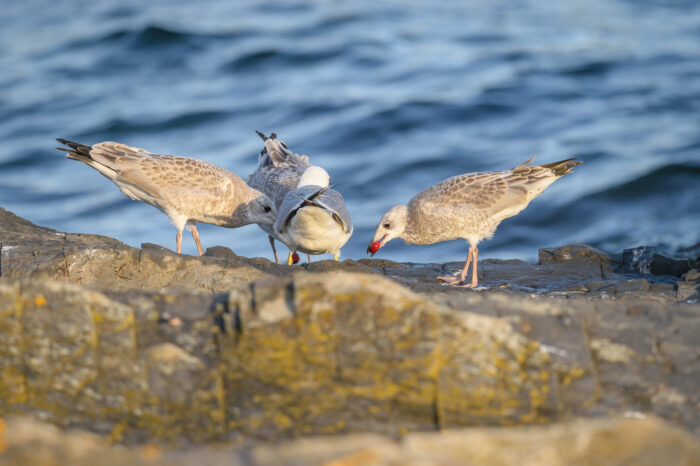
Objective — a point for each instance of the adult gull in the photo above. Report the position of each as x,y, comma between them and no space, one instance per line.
313,218
278,172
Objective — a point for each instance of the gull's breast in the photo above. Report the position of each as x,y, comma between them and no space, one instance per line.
314,231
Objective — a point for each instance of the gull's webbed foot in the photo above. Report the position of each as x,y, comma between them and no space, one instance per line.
451,279
466,285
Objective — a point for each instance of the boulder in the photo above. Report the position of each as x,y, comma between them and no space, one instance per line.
145,345
308,355
619,441
647,259
99,262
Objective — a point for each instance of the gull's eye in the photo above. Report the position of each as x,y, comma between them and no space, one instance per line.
267,208
387,226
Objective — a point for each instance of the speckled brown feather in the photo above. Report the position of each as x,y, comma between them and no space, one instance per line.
472,205
182,187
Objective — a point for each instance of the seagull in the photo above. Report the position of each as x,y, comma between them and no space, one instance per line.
278,172
468,206
187,190
313,218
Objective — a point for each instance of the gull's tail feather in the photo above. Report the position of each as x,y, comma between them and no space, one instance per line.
265,138
277,153
563,167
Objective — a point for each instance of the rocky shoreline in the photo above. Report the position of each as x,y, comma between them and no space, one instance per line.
143,345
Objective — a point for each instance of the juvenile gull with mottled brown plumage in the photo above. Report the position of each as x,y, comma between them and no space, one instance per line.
469,206
187,190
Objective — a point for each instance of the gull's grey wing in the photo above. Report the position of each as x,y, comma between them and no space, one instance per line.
322,197
279,169
334,203
275,182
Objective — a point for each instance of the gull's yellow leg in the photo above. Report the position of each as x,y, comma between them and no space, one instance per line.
290,261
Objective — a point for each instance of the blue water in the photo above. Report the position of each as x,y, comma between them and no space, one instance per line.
390,97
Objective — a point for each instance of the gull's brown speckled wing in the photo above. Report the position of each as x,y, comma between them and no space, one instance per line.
156,173
182,187
472,205
492,192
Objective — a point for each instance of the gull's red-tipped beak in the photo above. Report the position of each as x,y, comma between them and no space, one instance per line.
295,258
375,245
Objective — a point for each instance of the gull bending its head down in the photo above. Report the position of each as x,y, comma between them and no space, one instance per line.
185,189
313,217
469,206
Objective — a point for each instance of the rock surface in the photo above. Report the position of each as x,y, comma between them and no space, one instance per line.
144,345
636,442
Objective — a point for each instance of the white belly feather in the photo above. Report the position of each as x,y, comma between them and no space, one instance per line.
313,231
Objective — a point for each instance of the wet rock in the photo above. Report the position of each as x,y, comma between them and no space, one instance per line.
612,442
635,286
598,285
689,288
646,259
574,252
692,276
98,262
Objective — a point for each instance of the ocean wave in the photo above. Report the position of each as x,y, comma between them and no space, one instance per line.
278,57
120,126
145,37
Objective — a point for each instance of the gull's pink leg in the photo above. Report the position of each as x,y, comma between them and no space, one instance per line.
309,257
451,278
463,276
475,276
178,241
195,235
274,251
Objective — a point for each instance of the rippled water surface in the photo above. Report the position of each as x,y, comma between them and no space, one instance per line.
390,97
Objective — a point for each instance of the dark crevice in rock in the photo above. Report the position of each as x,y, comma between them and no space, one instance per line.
19,308
289,297
222,313
436,407
253,303
660,356
139,265
595,370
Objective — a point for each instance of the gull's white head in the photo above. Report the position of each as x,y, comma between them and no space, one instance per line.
314,176
392,225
